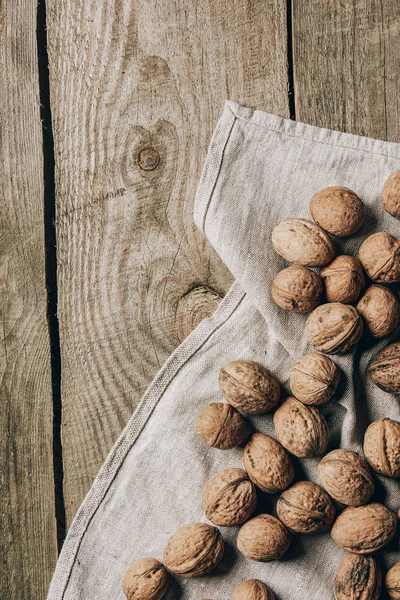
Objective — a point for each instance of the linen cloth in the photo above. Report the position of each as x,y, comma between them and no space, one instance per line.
260,169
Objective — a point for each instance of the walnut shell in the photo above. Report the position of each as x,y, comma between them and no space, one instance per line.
384,369
338,210
252,589
346,477
392,582
358,578
194,550
297,289
145,579
263,538
306,508
302,242
268,465
380,310
301,429
343,279
391,194
364,529
249,387
334,328
314,379
382,447
229,498
380,256
221,426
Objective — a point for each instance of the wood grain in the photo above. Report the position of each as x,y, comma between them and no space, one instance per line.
28,543
136,91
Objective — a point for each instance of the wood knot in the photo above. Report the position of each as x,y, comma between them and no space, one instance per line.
148,159
197,304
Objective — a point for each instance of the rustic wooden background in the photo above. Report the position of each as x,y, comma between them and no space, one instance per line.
102,270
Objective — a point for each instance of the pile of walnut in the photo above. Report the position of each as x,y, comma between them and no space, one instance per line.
230,498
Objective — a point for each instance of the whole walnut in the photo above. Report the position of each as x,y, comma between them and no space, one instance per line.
338,210
334,328
343,279
221,426
306,508
297,289
358,578
380,310
364,529
263,538
229,498
392,582
384,369
382,447
194,550
145,579
302,242
346,477
380,256
267,463
301,429
249,387
314,379
252,589
391,194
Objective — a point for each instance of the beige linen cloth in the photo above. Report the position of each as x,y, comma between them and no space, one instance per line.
260,169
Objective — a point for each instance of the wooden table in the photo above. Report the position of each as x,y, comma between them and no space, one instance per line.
102,269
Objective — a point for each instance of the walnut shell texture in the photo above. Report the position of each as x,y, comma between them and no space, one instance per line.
194,550
382,447
334,328
380,310
364,529
314,379
358,578
392,582
302,242
145,579
301,429
306,508
267,463
338,210
346,477
221,426
249,387
380,256
297,289
391,194
229,498
343,279
252,589
263,538
384,369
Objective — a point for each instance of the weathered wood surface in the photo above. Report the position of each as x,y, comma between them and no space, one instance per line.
28,543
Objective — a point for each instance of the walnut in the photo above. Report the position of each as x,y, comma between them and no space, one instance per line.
338,210
249,387
358,578
301,429
364,529
306,508
146,579
334,328
343,279
314,379
392,582
221,426
297,289
391,195
380,310
263,538
252,589
229,498
346,477
267,463
194,550
302,242
384,369
380,256
382,447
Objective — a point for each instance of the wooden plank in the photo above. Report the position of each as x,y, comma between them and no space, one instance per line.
136,91
346,65
28,541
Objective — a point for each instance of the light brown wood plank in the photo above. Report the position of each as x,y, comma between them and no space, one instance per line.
28,543
136,91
